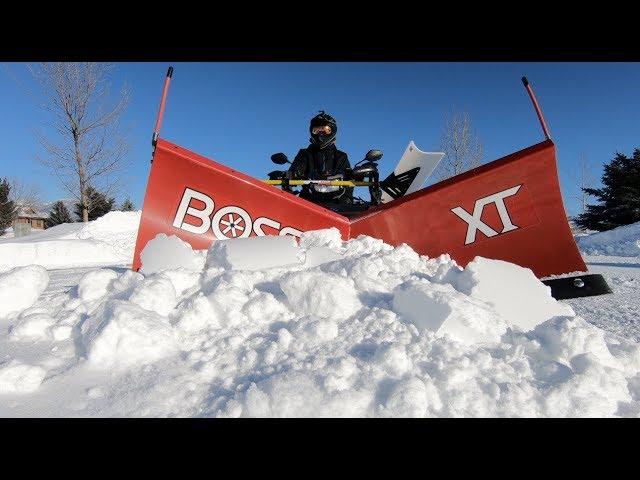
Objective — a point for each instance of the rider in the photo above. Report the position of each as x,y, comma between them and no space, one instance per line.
320,161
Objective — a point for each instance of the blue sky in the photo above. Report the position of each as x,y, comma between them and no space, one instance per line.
241,113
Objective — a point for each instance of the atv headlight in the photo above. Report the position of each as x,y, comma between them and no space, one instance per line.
325,188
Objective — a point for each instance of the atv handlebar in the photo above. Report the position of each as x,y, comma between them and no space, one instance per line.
332,183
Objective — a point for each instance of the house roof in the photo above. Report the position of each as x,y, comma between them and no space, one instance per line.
31,213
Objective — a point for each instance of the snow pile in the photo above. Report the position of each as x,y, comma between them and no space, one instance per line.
21,287
118,229
622,242
267,327
109,239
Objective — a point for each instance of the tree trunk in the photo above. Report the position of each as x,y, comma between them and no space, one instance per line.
84,201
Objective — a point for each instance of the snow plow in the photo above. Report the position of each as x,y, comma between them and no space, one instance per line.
509,209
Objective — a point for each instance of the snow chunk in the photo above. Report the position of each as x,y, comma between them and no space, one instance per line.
20,287
169,253
443,310
155,293
32,327
253,253
94,284
324,295
126,335
283,395
17,377
564,338
513,291
328,238
411,398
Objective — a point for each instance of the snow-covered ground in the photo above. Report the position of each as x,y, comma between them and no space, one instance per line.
109,240
267,327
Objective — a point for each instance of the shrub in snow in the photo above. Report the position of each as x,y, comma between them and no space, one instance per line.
20,287
59,214
17,377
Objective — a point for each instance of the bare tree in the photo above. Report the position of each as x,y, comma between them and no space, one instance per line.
461,145
88,149
584,178
25,195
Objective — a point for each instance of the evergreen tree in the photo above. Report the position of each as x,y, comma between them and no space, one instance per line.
127,206
99,204
59,214
8,208
619,198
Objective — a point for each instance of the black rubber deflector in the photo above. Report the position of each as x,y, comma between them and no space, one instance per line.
579,286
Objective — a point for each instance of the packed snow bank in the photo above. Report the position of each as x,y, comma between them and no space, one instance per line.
622,242
21,287
108,240
323,328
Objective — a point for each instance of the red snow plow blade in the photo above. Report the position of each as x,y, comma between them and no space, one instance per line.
510,209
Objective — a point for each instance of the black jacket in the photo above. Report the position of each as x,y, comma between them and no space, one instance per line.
313,163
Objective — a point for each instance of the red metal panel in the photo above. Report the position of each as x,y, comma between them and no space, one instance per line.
535,233
176,173
509,209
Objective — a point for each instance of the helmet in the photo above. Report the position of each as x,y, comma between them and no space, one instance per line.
322,139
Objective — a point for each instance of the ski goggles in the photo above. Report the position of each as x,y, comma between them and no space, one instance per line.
321,130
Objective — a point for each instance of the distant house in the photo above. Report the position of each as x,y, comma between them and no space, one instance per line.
29,215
